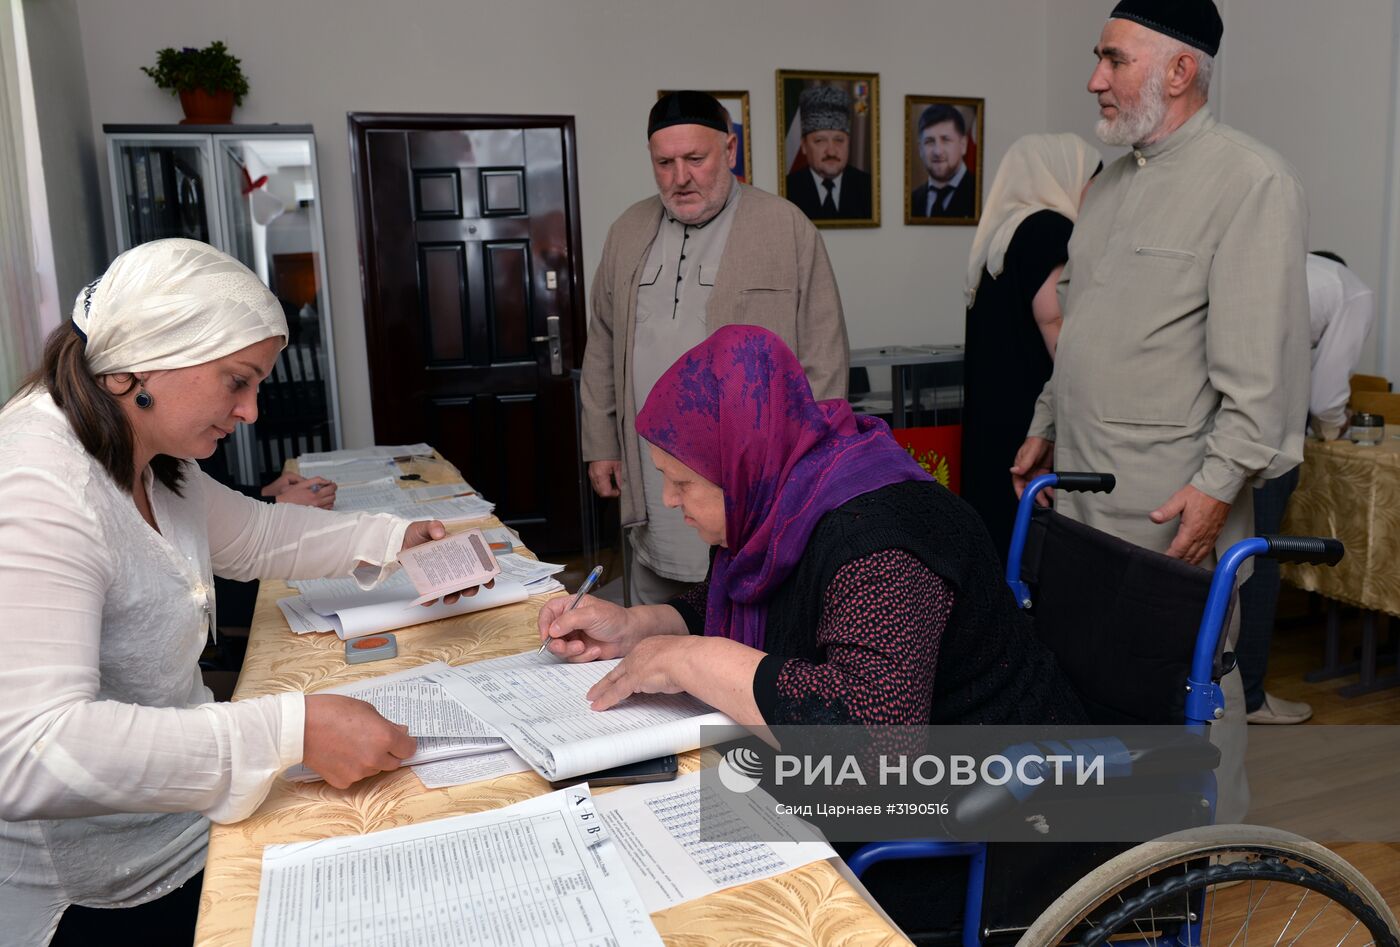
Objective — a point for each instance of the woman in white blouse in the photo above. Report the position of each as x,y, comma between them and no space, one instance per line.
112,755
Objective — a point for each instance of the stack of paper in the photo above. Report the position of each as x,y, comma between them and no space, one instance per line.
536,576
449,502
353,455
444,729
543,871
340,605
536,702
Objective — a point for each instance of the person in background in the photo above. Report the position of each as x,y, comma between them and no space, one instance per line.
1182,361
1342,309
114,758
1013,312
705,252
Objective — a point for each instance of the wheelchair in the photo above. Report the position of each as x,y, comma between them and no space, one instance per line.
1208,884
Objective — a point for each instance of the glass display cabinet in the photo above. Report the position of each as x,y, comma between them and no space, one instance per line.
253,192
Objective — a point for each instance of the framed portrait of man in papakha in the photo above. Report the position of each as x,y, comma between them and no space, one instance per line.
829,146
737,105
942,160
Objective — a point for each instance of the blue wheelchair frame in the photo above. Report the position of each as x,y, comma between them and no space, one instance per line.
1205,701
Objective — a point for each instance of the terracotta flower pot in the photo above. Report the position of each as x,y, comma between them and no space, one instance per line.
203,107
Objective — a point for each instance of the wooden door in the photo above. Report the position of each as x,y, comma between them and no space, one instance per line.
470,269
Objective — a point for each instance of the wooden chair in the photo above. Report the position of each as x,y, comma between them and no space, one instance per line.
1368,383
1377,402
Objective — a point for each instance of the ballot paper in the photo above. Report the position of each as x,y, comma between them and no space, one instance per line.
439,491
682,840
372,496
536,703
353,611
459,561
454,510
462,770
351,472
354,455
536,576
302,617
443,727
544,871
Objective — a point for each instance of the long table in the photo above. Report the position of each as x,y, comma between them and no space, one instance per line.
816,904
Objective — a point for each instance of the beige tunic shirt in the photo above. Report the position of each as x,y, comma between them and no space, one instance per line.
1184,353
677,279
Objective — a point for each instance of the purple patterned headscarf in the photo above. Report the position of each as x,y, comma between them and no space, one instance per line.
737,409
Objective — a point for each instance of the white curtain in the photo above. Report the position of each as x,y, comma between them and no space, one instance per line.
20,334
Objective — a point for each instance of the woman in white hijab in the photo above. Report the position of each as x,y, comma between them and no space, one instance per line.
1013,314
114,757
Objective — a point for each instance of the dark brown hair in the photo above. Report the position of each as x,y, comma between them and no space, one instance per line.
93,411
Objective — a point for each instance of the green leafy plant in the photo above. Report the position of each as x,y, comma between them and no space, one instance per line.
211,68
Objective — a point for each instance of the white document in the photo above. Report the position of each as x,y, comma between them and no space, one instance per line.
455,510
545,868
439,491
349,456
536,702
373,496
469,769
302,617
358,471
353,611
411,697
525,570
675,856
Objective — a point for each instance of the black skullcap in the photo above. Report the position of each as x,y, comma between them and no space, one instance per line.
687,108
1193,22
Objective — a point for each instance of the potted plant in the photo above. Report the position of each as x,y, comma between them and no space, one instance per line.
207,80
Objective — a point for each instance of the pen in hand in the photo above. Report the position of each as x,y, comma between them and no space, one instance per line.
583,590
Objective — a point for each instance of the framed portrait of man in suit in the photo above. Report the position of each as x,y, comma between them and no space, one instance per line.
737,105
829,146
942,160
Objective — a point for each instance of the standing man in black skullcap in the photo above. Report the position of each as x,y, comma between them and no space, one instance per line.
705,252
1182,364
830,187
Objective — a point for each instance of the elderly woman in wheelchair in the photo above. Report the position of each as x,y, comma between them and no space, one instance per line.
846,587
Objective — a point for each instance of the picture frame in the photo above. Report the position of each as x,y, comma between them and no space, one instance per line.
836,183
737,104
938,130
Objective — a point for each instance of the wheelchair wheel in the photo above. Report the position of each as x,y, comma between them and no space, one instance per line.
1221,885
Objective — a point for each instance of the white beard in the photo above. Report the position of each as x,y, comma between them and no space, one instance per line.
1136,125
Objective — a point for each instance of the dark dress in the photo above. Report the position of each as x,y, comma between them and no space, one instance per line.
1005,367
903,570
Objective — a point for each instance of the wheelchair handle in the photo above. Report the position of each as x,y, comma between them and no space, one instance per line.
1082,482
1086,482
1316,550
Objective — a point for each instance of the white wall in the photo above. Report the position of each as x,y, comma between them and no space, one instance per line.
67,144
1315,82
602,61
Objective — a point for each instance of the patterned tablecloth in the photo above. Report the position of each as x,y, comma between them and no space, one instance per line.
1351,492
811,905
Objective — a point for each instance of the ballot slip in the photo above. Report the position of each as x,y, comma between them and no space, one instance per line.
542,871
352,611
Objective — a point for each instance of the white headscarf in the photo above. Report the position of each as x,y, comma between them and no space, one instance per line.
172,304
1039,172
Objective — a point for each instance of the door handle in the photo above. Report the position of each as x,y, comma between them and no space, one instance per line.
556,348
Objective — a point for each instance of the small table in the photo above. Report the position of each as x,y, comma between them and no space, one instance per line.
1351,492
900,358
